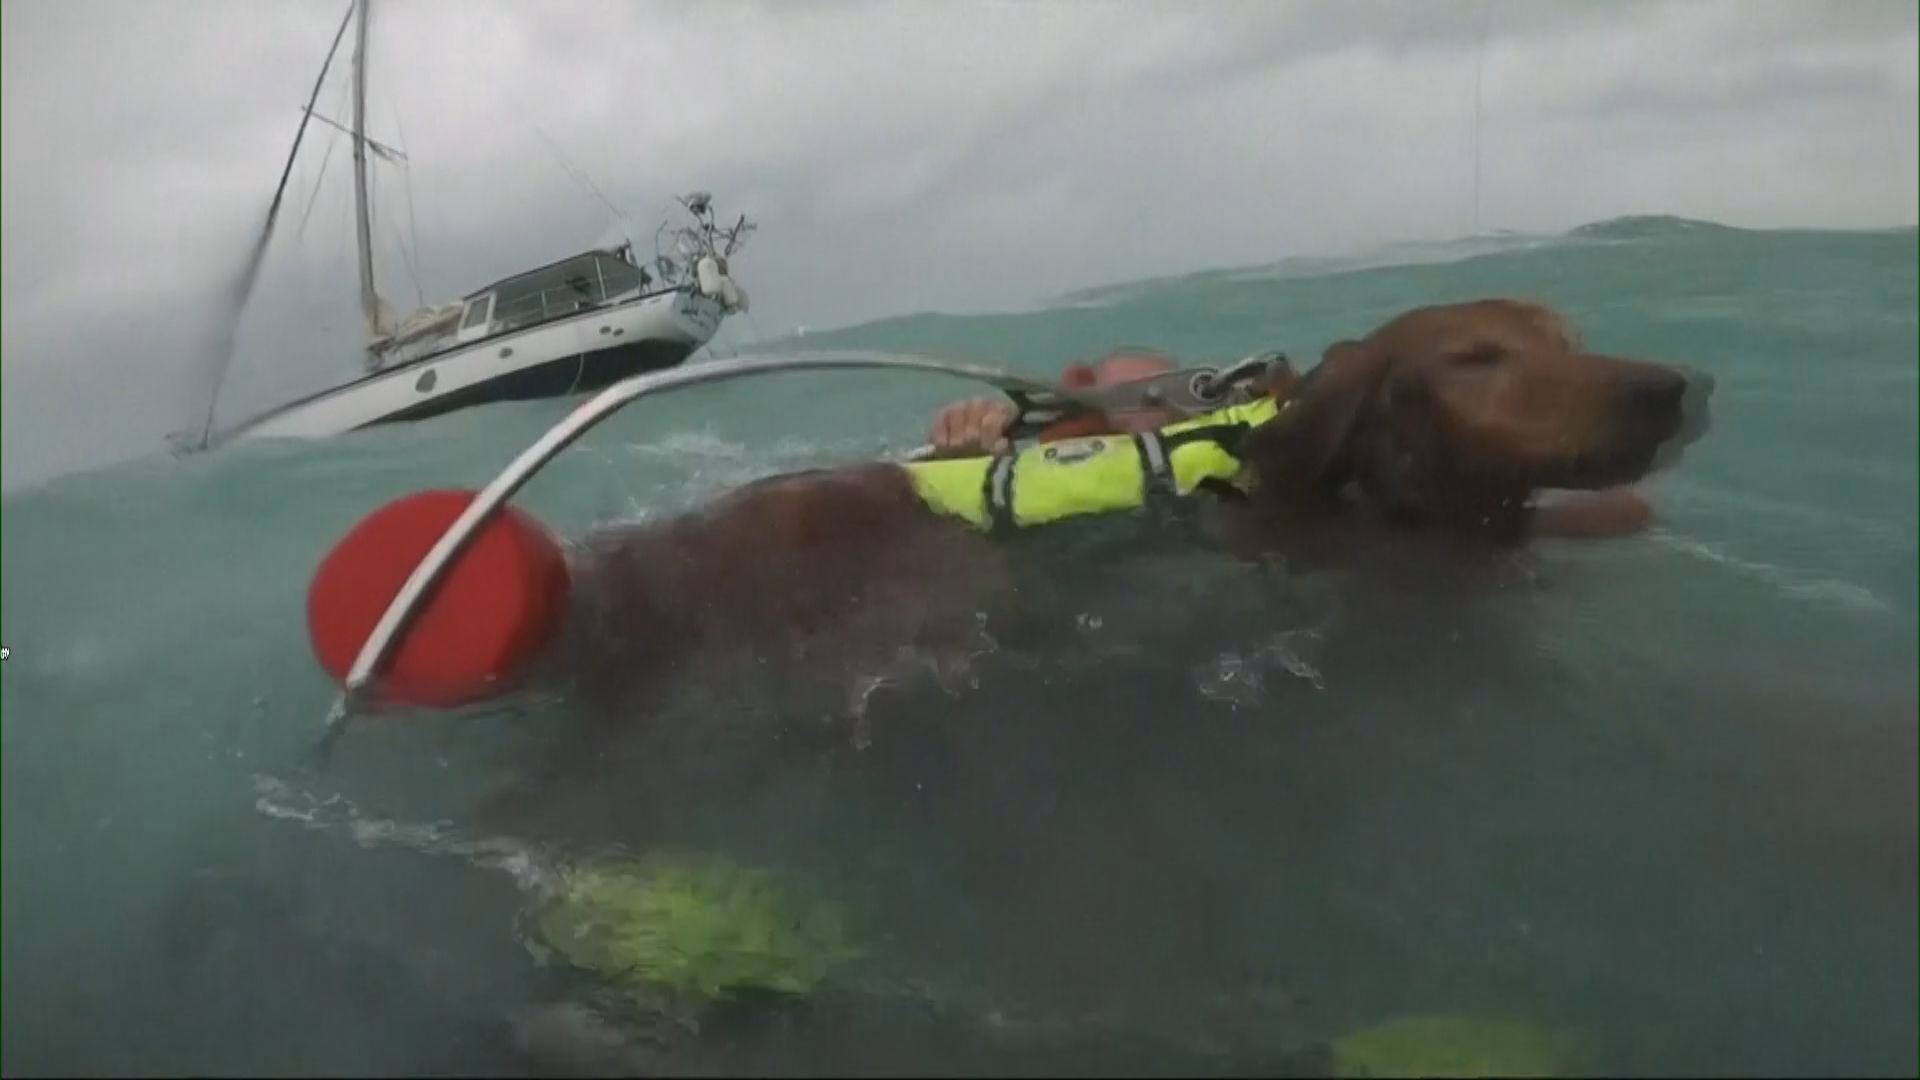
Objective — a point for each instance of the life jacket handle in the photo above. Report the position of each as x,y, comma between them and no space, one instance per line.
1243,377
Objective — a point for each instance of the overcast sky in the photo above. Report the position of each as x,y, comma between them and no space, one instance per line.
900,155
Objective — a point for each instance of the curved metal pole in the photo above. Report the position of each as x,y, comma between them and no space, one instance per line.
374,651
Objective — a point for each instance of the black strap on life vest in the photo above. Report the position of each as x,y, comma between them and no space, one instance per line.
1156,460
1228,437
997,491
1156,468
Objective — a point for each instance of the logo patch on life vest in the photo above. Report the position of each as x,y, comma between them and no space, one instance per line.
1077,450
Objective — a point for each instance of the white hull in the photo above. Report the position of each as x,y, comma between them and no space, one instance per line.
566,356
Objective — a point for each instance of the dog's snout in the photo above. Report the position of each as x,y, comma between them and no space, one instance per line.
1656,392
1692,415
1694,405
1699,385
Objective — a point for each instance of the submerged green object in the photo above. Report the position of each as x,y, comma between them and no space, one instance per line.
694,927
1452,1045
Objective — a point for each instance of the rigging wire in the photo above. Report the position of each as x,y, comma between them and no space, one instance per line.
321,176
243,285
1479,108
413,233
399,242
314,196
583,180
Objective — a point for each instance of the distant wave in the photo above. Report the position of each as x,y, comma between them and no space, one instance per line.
1412,253
1669,226
1802,585
1652,226
1307,266
1626,229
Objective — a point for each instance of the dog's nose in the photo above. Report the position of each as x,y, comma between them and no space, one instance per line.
1694,405
1699,385
1656,393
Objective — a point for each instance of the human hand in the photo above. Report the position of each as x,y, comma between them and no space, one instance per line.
975,426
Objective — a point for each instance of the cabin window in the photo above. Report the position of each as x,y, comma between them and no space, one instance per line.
620,276
560,290
476,314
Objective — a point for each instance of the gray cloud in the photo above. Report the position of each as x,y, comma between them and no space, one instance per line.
900,156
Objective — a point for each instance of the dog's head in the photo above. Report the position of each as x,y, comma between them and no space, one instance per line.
1456,415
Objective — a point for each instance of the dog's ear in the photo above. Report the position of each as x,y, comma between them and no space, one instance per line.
1308,442
1278,381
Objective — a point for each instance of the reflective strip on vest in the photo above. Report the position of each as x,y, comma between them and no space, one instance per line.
1097,474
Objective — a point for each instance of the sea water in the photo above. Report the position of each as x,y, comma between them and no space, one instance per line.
1658,793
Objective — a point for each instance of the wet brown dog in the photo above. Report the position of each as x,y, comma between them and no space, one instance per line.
1450,419
1444,423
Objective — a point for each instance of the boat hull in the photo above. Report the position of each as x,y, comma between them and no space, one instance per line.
578,354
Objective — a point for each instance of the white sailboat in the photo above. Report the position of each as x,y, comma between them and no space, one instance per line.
570,327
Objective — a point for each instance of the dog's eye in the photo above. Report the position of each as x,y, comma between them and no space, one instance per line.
1480,356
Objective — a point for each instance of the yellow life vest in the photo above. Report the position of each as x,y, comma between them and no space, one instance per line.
1097,474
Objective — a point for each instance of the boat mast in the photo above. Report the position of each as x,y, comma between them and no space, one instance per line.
369,299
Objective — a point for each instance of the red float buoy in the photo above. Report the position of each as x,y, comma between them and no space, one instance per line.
481,627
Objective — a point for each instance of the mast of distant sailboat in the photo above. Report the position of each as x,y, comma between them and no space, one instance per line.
369,299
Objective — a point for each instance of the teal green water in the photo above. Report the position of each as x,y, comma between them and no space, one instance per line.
1660,795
